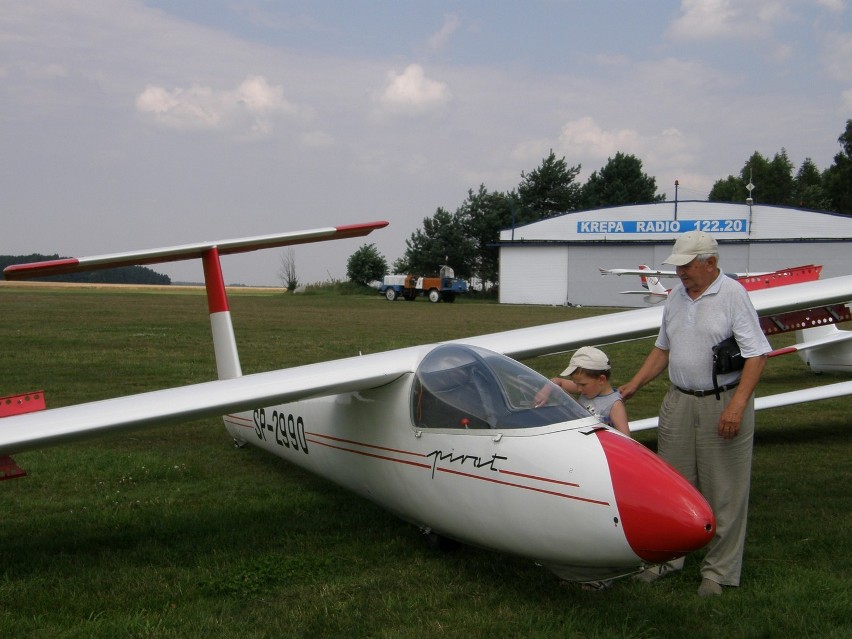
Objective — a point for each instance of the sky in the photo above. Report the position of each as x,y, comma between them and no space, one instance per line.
131,124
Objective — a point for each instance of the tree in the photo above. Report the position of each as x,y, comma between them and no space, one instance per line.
483,216
807,187
366,265
778,188
837,180
548,190
287,272
620,181
441,241
731,189
772,179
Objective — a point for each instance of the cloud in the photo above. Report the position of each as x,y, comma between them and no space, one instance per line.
253,105
664,154
832,5
846,97
440,39
584,137
837,52
412,93
721,19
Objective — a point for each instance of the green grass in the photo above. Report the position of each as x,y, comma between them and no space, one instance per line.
171,532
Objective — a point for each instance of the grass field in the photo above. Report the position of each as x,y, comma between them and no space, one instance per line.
171,532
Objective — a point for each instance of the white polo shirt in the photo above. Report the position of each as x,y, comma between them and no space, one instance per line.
690,328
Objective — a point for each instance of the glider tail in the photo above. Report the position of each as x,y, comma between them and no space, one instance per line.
652,283
224,341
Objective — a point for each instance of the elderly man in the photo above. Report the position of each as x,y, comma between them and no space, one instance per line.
706,425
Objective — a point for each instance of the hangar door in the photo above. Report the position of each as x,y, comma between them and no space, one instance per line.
533,275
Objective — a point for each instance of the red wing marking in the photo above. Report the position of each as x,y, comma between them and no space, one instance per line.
810,318
783,351
49,267
20,404
17,405
795,275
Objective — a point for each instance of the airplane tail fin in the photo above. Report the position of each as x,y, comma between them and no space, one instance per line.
652,283
224,342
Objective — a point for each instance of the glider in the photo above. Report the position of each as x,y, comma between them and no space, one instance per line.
445,436
751,281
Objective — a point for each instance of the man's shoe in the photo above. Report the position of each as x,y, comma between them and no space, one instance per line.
650,575
709,588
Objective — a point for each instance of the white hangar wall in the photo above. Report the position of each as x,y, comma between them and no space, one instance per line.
557,261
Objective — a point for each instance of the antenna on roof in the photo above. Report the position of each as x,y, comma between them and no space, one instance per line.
677,184
749,199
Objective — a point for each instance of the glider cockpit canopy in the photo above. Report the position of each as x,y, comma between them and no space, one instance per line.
467,387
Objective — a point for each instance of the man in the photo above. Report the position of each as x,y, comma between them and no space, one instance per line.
705,436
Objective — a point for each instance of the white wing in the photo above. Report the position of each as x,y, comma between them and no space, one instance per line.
636,271
626,325
188,251
830,335
658,273
828,391
208,399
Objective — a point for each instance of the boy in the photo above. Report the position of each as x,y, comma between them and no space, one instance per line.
588,373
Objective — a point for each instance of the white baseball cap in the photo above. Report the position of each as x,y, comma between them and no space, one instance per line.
589,358
689,245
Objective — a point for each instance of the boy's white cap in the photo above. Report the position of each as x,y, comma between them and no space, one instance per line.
689,245
588,357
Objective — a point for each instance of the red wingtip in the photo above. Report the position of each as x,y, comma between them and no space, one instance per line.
355,230
41,269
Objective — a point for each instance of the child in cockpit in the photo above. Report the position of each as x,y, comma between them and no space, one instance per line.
588,378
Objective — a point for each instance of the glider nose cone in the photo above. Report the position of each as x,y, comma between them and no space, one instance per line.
662,515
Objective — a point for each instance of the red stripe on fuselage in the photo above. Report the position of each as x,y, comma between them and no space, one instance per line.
444,469
368,454
537,478
352,441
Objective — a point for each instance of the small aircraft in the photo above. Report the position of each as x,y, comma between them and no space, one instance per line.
652,288
446,436
650,278
820,344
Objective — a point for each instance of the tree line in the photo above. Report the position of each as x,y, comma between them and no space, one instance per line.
119,275
465,239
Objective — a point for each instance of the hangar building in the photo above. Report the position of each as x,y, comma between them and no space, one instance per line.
556,261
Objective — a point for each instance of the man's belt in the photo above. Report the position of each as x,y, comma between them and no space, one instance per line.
704,393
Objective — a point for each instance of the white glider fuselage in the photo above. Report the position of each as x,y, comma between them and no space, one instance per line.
548,493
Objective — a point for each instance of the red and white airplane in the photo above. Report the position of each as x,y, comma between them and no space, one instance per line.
820,344
652,286
445,436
